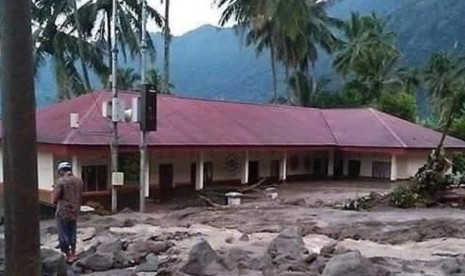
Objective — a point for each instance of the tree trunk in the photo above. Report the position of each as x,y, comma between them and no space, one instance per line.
450,119
167,47
85,72
22,235
273,72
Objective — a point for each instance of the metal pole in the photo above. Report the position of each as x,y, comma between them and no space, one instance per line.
114,90
22,235
143,134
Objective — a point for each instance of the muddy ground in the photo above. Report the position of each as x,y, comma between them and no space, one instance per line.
397,242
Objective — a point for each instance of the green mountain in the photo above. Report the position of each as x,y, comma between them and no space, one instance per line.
214,63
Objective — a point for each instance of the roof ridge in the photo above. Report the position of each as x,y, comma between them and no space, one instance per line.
329,126
375,112
85,116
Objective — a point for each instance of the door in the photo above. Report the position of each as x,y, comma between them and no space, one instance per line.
354,168
274,170
381,170
317,167
166,182
254,173
193,174
208,173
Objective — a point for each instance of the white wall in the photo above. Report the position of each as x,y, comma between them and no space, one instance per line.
366,161
182,160
45,167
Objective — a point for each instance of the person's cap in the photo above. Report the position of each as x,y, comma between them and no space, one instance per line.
64,165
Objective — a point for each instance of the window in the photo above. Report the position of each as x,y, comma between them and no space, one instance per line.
129,164
381,170
94,178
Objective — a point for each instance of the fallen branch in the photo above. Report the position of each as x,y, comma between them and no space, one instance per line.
210,203
254,186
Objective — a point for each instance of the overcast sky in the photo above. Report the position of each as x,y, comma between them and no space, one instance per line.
186,15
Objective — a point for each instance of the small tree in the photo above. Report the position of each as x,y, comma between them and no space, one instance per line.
400,104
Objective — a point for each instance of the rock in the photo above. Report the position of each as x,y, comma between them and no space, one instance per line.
150,264
138,250
244,238
229,240
159,247
109,244
122,260
86,234
164,272
53,263
98,261
203,260
454,266
287,252
311,258
241,258
352,264
328,250
129,223
115,272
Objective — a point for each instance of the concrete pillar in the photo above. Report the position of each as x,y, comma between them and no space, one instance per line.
283,167
200,181
77,169
393,168
245,169
331,163
345,167
147,176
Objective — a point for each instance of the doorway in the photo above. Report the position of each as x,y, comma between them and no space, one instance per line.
208,173
274,170
254,172
193,174
354,168
166,182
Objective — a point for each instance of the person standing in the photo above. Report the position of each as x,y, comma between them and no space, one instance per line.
67,198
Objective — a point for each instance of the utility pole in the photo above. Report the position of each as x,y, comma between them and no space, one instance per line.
143,134
22,235
115,106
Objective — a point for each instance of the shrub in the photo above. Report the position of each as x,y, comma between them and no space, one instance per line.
403,197
409,196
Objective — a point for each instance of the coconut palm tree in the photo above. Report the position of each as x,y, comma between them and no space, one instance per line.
56,40
444,79
361,35
96,25
155,78
126,78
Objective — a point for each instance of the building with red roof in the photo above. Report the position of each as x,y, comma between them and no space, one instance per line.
204,142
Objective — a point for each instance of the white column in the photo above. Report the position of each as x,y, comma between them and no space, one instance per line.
283,167
393,168
330,163
199,181
76,166
147,175
245,169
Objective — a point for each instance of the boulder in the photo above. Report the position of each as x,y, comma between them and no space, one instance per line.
98,261
287,252
150,264
352,264
455,266
109,244
115,272
53,263
244,238
203,260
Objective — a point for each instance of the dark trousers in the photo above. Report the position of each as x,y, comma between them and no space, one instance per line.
67,234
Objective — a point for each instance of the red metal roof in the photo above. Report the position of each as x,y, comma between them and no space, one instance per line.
196,122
